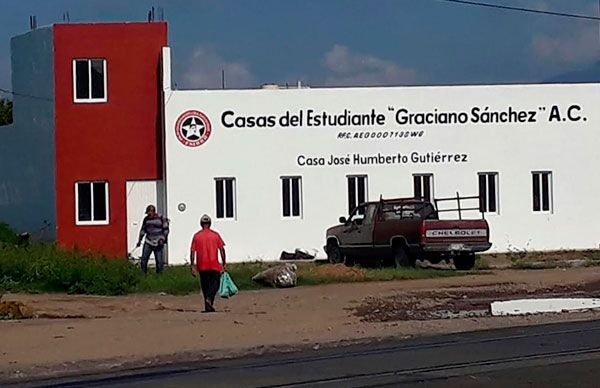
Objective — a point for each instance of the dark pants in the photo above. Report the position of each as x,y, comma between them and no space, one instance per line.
158,257
210,281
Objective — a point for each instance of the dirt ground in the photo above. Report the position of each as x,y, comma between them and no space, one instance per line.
76,334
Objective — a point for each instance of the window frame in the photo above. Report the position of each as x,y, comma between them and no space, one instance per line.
366,193
300,198
540,173
431,198
496,176
90,99
234,198
106,199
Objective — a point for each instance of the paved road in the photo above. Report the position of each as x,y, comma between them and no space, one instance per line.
561,355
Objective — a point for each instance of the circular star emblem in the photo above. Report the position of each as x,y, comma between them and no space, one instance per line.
192,128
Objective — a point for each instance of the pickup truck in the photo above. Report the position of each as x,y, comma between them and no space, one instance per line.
400,231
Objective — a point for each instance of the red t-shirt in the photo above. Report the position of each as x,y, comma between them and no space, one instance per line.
206,243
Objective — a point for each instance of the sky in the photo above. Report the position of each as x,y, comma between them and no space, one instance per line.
343,42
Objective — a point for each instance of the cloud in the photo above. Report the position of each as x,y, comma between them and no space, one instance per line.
204,71
348,68
569,42
573,46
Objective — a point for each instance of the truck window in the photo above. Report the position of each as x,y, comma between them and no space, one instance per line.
362,214
370,213
408,211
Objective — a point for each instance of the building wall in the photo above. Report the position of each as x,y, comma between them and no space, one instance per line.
258,157
114,141
27,179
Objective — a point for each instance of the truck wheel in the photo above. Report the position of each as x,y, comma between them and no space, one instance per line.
334,253
464,262
401,258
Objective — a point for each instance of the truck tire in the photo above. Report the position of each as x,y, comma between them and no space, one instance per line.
401,258
464,262
334,253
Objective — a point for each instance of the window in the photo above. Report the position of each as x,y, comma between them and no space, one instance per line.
407,210
488,192
226,201
357,191
291,195
89,80
542,191
423,185
91,201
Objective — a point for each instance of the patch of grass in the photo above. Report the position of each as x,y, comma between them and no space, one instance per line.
177,280
7,235
481,263
173,280
538,256
46,268
40,267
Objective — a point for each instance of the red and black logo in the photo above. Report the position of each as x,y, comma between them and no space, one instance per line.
193,128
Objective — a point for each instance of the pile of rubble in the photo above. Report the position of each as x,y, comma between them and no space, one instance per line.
14,310
483,301
282,276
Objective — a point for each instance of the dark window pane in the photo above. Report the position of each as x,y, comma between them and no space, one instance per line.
427,187
220,202
362,188
100,213
492,193
545,192
482,194
285,192
296,197
351,194
536,192
229,198
417,186
84,202
97,78
82,79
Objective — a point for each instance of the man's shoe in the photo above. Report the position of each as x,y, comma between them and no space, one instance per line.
208,308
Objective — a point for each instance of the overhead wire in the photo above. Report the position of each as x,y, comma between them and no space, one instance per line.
6,91
522,9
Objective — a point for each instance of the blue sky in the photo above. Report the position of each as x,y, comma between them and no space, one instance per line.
343,42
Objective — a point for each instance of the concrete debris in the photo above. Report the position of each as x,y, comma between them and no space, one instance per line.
543,305
282,276
299,254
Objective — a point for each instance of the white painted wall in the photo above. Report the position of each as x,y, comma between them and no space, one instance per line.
257,158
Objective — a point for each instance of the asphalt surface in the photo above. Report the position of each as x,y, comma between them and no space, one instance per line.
559,355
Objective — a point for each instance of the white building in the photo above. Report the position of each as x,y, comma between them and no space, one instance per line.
275,168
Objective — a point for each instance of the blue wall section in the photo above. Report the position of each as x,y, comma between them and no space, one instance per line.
27,148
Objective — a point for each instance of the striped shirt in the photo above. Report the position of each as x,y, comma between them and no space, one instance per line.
155,229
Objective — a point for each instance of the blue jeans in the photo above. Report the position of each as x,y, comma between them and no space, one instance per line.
158,257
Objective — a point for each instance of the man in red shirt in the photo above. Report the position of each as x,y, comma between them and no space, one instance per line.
206,245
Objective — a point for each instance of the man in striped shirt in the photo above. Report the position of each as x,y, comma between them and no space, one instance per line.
156,229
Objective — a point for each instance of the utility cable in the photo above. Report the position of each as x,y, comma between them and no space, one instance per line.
6,91
520,9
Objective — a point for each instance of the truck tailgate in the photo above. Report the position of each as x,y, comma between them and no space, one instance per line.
471,235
